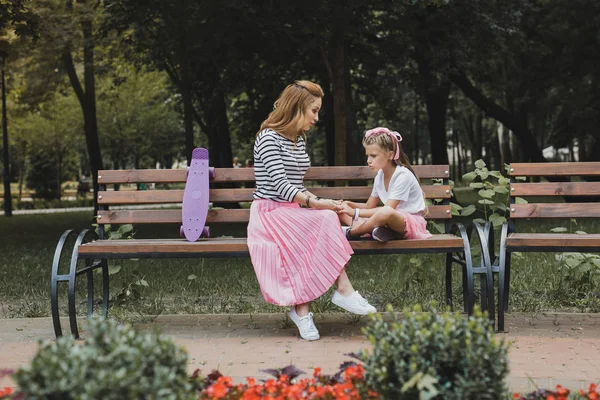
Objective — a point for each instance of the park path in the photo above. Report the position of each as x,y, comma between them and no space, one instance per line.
546,349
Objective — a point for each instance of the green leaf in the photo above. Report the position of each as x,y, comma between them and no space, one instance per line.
503,181
572,262
581,232
455,207
141,282
500,189
488,194
476,185
469,176
480,220
483,173
116,235
496,174
520,200
497,220
558,229
113,269
439,227
192,277
126,228
470,209
501,206
479,164
485,201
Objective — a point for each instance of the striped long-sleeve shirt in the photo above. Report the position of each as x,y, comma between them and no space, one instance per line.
279,166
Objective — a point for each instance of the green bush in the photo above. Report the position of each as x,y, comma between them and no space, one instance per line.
435,356
114,362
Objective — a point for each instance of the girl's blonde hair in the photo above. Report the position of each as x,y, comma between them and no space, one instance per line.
289,109
387,143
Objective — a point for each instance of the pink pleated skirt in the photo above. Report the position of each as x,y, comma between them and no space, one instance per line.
297,253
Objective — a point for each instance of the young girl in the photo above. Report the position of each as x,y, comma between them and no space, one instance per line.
298,253
396,185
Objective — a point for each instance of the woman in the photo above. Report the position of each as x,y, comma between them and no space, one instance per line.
297,252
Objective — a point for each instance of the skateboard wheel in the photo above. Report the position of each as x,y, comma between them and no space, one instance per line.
211,172
181,233
205,232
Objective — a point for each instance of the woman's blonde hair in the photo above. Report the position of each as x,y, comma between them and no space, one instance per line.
289,109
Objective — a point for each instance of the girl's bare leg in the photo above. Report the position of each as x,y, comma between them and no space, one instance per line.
345,219
385,216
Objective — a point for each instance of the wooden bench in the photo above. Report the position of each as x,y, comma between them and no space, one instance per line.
513,241
90,253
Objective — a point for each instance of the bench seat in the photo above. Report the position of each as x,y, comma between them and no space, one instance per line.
236,247
553,242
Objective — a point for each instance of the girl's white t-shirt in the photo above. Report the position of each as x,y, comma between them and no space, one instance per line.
403,186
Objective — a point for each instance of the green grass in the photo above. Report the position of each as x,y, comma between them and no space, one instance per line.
27,244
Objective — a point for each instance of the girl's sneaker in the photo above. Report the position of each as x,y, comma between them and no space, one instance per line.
383,234
354,303
306,325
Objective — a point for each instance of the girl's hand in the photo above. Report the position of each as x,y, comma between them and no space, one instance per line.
325,204
346,209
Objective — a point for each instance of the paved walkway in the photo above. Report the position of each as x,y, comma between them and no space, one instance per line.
547,349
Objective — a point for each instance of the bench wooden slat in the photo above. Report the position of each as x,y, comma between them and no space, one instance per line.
558,240
245,195
555,189
238,245
214,216
555,210
555,169
247,174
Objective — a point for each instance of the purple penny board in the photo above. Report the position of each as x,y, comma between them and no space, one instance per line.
195,196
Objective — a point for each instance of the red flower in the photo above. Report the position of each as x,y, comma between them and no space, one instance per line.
7,391
217,391
317,372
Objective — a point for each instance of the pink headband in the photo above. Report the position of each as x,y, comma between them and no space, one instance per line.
395,135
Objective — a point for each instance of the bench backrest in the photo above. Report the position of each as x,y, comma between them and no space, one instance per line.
552,189
238,176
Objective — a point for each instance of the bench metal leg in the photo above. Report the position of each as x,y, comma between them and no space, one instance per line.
467,270
503,269
449,260
71,278
486,277
105,287
55,278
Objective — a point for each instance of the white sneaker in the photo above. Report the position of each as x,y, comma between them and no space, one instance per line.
306,325
354,303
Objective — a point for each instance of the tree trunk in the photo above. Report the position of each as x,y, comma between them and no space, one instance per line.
505,153
5,153
219,137
417,123
87,99
436,101
517,125
329,125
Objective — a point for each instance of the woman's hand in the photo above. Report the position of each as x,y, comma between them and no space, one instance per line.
325,204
